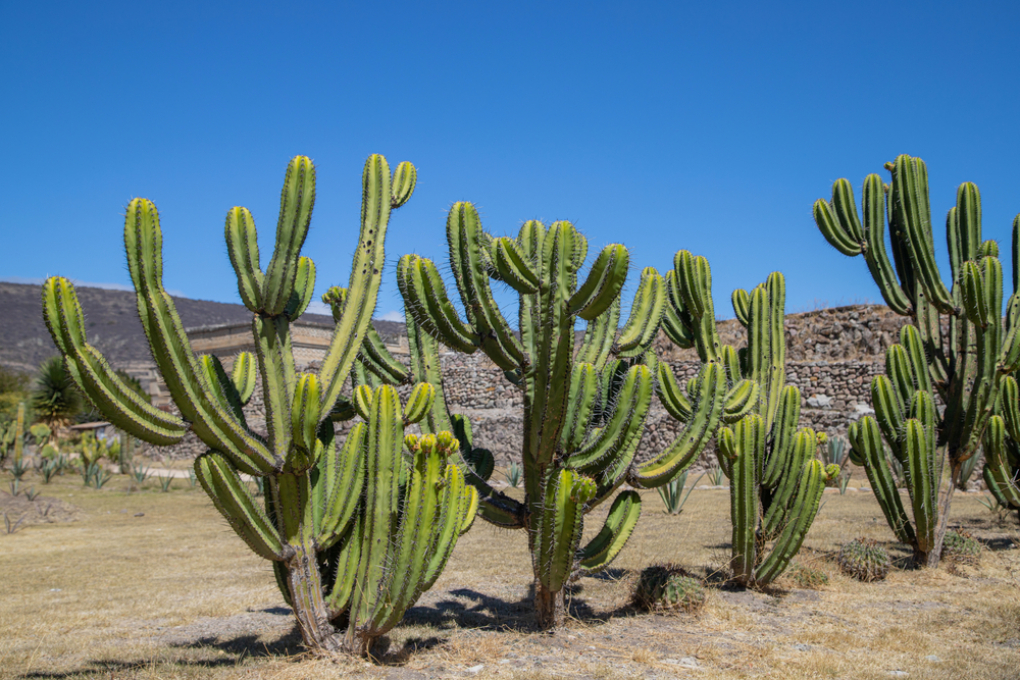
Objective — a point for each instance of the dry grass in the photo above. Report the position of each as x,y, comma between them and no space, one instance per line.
174,594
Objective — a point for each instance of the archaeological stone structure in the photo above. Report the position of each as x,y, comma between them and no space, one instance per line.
832,356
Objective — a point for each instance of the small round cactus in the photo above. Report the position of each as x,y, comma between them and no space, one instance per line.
668,588
864,559
960,544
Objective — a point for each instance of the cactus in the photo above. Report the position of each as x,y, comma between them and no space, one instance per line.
960,363
776,483
864,559
668,588
19,435
40,433
584,408
961,545
353,531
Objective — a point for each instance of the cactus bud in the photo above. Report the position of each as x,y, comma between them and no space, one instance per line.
447,442
822,438
831,471
427,442
411,442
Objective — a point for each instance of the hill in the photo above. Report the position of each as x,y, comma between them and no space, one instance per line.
112,321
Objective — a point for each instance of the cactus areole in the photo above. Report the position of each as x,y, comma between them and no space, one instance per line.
584,406
355,531
943,381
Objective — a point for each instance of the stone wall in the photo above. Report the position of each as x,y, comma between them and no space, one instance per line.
832,355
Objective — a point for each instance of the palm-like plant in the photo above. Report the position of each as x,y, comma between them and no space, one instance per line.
55,398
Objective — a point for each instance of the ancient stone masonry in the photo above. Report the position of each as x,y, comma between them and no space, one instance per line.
832,355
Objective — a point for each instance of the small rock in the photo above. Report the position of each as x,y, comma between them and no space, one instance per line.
689,662
139,514
475,669
801,647
933,658
899,674
819,401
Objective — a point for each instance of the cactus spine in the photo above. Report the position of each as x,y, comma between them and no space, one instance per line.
960,364
584,411
336,518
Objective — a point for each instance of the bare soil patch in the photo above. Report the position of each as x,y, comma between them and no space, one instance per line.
154,585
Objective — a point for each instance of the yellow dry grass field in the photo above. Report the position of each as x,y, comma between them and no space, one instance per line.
153,585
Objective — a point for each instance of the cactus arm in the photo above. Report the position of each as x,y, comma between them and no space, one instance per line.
866,440
917,360
1009,402
342,477
276,367
873,197
296,202
693,277
675,329
380,361
616,442
471,267
305,414
559,527
440,317
597,343
230,496
929,326
603,285
779,508
580,402
672,397
829,225
385,438
804,509
740,400
999,476
645,317
909,198
363,290
93,375
420,511
171,349
923,484
1009,356
749,439
600,552
888,410
243,248
784,432
222,386
304,288
244,375
458,508
513,269
348,558
689,445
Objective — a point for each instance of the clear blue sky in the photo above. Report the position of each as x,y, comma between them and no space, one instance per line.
705,126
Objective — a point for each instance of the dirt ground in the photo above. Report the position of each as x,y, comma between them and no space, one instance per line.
145,584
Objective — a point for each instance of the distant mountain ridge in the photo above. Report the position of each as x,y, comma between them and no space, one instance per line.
112,324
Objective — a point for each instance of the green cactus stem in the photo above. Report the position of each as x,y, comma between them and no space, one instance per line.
584,407
335,517
960,362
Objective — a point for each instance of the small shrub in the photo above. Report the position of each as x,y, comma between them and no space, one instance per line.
668,588
864,559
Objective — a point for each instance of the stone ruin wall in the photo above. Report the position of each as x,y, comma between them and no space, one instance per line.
832,355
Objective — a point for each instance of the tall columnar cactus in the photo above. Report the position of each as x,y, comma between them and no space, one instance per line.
959,363
351,530
776,483
584,408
